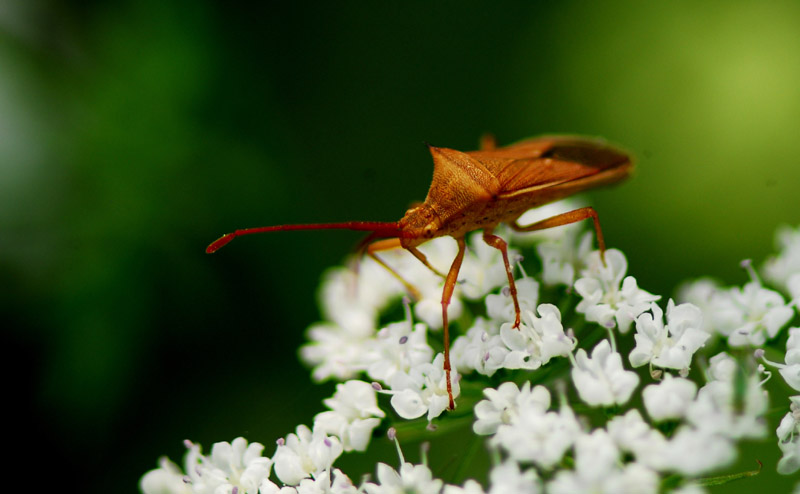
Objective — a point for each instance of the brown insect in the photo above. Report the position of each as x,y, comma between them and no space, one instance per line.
477,190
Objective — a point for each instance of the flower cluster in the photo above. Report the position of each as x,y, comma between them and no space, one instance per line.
603,387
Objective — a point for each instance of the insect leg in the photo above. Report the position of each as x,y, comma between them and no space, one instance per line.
488,142
565,219
501,245
447,294
424,260
387,244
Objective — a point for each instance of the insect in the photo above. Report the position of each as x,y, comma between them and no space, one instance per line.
478,190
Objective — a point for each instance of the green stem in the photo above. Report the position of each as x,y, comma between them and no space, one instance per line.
724,479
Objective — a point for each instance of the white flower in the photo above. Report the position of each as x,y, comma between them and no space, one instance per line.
505,404
470,487
694,451
396,348
507,478
778,269
354,414
539,437
429,309
789,439
732,409
793,286
601,380
669,398
791,371
670,346
350,303
755,314
564,257
353,299
230,466
604,301
722,367
321,484
537,340
501,306
597,470
412,479
423,390
479,350
333,351
709,297
166,479
304,454
632,434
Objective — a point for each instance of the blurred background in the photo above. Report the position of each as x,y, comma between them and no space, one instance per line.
132,133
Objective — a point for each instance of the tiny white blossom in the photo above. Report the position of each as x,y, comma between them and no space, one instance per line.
732,408
754,315
429,309
693,451
321,484
538,437
791,371
354,414
669,398
396,348
793,286
304,454
722,367
607,298
507,478
501,306
669,346
789,439
423,390
537,340
470,487
350,304
778,269
168,478
412,479
352,300
479,350
632,434
709,297
597,470
234,465
333,351
564,257
505,404
601,380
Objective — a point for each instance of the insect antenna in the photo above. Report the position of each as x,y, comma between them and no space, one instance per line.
379,230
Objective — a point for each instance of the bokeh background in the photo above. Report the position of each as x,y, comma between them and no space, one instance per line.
132,133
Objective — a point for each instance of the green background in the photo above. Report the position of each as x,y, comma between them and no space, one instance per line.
133,133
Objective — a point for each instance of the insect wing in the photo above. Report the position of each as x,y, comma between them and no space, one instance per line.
552,161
